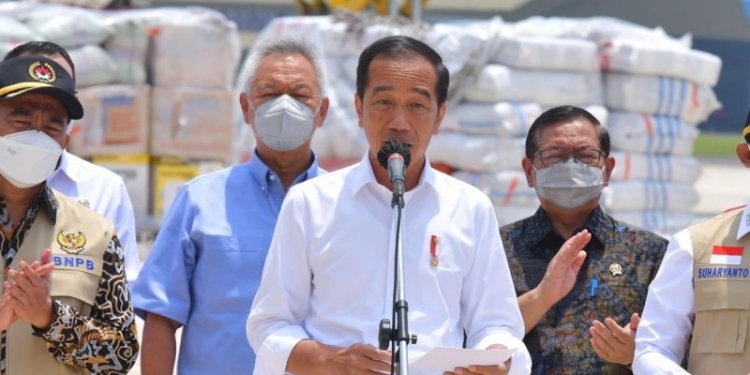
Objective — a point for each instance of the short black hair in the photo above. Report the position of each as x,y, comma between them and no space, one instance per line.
42,48
402,46
564,113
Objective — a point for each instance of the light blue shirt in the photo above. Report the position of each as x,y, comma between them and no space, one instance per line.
207,260
105,193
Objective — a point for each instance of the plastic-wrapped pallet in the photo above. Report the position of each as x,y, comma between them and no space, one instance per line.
13,32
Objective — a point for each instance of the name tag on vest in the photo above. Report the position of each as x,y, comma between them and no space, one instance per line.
81,263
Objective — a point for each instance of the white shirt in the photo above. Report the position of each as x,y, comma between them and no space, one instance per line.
106,195
667,321
329,271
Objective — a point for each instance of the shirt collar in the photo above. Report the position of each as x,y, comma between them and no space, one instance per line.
744,223
66,168
597,223
46,199
363,174
261,173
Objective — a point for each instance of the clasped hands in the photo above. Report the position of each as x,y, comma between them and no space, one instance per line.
26,294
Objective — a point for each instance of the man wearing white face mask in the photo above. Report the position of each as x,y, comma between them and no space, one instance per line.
206,263
65,306
580,301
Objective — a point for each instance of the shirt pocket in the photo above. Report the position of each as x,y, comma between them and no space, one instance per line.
228,271
721,316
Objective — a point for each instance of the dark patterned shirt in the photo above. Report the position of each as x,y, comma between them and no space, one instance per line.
621,261
104,342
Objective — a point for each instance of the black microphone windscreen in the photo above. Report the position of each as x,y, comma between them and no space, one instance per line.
391,147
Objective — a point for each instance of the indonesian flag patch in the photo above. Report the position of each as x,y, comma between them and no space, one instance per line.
727,255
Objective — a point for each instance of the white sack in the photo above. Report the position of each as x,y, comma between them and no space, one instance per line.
544,53
506,119
497,83
69,27
636,166
476,153
654,58
692,102
93,66
651,134
649,195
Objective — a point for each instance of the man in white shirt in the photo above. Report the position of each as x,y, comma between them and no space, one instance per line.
101,189
328,277
701,296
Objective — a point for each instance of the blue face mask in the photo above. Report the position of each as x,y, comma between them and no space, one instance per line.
284,123
570,184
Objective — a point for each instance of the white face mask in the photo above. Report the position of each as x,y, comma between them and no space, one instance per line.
28,158
570,184
284,123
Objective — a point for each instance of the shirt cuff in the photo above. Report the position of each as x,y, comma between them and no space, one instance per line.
520,363
63,317
656,363
276,348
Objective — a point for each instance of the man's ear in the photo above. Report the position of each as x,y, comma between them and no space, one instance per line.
528,170
247,111
609,166
358,108
743,153
322,112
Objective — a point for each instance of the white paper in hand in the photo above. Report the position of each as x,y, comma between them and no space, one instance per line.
447,359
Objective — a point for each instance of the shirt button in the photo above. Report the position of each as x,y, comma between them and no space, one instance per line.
272,178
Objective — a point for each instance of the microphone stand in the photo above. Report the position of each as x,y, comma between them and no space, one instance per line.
399,335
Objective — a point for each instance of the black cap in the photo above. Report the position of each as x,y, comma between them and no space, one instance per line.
746,129
39,74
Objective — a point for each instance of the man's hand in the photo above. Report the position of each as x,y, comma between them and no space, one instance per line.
563,268
29,291
501,369
42,268
311,358
613,343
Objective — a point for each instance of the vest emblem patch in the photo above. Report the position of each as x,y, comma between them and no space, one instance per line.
615,269
71,243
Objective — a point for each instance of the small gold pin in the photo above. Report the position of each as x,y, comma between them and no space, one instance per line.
615,269
434,250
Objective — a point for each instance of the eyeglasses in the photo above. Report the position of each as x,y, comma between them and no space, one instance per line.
556,155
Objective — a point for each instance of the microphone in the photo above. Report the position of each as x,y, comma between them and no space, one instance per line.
395,157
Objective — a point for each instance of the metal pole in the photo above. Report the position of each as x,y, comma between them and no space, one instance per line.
416,10
393,8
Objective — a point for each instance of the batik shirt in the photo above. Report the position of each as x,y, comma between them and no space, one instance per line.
103,342
621,261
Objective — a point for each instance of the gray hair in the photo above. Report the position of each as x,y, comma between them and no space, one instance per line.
282,46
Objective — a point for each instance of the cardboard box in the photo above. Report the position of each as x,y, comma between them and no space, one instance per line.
115,121
135,170
170,175
192,123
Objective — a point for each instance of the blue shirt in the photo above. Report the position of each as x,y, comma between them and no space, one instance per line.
207,261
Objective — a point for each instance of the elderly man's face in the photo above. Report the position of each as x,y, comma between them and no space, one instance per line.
34,111
278,74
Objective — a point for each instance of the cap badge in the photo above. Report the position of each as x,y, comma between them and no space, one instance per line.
42,72
71,243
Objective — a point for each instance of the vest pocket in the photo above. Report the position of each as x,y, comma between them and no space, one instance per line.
721,316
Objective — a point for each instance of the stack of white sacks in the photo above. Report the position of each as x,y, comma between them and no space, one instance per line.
655,89
155,82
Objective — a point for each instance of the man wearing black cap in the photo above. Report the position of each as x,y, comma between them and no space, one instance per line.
65,307
701,297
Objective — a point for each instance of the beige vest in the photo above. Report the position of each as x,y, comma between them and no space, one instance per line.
77,240
722,297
